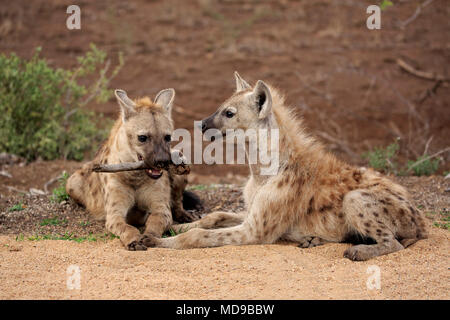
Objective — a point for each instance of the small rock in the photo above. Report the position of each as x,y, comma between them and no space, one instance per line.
37,192
5,174
14,248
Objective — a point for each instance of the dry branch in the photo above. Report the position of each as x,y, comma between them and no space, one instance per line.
51,181
140,165
430,92
416,14
428,158
420,74
340,143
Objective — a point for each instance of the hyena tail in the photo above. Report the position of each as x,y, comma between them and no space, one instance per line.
191,201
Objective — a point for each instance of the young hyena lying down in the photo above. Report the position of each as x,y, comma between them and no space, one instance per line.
132,198
314,198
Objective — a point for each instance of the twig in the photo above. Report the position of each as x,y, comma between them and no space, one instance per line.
5,174
427,145
429,157
49,182
420,74
180,169
366,95
125,166
314,90
430,92
341,144
17,190
98,84
416,14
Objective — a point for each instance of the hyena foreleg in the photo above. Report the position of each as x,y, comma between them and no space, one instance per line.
262,226
202,238
118,205
218,219
159,221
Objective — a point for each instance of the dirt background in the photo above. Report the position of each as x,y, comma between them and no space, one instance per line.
341,77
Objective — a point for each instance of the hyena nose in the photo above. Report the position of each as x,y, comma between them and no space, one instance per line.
203,125
163,161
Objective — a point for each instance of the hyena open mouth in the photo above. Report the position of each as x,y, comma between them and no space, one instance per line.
152,173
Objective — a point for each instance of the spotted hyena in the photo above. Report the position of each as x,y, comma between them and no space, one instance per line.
314,198
133,198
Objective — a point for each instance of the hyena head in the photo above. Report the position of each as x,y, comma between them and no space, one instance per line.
147,129
247,108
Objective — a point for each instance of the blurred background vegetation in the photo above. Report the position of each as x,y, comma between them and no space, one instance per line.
345,80
42,107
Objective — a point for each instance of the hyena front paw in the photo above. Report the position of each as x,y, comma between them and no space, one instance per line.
311,242
149,240
137,244
358,253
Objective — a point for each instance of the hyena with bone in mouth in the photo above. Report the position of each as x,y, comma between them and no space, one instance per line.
314,198
133,198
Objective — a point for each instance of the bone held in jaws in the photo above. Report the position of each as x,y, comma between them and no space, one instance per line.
140,165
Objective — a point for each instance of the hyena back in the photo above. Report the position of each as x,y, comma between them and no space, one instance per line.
314,198
134,198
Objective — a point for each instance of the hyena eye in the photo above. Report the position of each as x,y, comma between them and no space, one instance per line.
142,138
229,114
168,138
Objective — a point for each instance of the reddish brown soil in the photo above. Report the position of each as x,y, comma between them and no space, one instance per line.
341,76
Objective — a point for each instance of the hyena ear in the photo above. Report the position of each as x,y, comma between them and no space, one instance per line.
241,84
263,99
165,99
127,105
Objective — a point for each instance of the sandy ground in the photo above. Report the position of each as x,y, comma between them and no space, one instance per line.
280,271
38,269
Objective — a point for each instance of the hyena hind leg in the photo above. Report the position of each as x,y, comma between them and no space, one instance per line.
366,217
214,220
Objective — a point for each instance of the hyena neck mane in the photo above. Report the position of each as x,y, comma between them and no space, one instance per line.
117,148
296,147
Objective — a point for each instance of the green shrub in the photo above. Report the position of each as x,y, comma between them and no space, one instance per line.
383,159
385,4
59,194
42,107
422,167
17,207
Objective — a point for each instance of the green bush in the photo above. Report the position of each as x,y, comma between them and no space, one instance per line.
385,4
42,107
422,167
383,159
59,194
